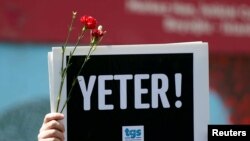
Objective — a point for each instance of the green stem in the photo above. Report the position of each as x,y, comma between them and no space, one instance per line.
62,69
91,50
65,70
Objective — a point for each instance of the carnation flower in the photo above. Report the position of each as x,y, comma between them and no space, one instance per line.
88,22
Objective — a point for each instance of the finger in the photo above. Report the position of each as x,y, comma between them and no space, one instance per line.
52,133
53,116
50,139
53,124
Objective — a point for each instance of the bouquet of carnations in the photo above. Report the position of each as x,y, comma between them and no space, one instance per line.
96,34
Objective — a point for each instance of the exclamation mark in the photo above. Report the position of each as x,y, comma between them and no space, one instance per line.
178,77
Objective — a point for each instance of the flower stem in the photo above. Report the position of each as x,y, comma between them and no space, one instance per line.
91,50
63,52
65,70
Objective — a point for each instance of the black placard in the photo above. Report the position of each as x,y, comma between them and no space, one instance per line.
174,122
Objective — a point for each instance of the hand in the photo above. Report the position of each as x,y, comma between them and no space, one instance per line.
52,128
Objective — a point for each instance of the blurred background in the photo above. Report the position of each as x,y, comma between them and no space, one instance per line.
28,30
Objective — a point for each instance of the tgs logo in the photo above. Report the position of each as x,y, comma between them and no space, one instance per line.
132,133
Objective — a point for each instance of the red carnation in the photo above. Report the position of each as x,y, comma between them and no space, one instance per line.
89,22
97,35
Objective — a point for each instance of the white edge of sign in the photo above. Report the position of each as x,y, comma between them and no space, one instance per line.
201,74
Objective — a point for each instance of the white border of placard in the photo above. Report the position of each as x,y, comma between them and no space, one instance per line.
201,74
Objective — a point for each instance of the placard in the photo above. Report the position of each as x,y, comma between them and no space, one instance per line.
144,92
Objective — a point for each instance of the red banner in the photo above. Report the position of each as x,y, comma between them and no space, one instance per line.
224,24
